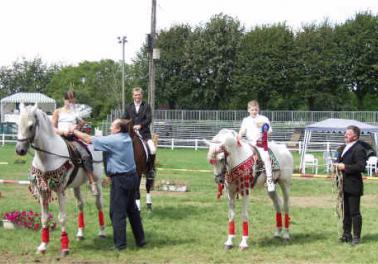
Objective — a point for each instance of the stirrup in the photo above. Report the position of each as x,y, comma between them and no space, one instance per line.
94,189
270,185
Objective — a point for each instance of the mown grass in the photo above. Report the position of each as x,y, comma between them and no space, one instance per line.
192,227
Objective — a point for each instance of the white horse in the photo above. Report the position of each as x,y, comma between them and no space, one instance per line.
54,170
233,163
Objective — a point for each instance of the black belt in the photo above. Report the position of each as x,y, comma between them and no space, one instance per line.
123,174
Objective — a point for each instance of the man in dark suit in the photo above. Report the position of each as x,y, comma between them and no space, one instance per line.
140,112
352,162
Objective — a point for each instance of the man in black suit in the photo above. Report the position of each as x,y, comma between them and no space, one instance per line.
352,162
140,112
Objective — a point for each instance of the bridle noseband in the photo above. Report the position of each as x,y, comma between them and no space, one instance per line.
31,138
220,177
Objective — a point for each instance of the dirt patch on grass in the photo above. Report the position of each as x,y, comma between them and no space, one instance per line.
329,201
316,201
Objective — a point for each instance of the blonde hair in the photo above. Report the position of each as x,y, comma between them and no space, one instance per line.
137,89
253,103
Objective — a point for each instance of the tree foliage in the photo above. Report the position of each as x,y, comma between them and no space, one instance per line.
221,65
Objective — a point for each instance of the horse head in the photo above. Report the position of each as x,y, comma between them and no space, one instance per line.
27,126
220,148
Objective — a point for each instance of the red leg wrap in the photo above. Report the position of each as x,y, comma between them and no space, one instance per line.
64,241
287,221
220,190
245,228
45,233
279,220
80,220
231,228
101,220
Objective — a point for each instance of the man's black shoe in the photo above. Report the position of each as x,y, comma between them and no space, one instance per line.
356,241
141,244
346,238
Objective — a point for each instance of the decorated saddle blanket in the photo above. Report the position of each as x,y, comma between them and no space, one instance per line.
241,176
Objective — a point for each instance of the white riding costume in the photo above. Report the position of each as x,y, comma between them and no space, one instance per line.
251,127
67,119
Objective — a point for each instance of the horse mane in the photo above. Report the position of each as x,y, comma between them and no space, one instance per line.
44,122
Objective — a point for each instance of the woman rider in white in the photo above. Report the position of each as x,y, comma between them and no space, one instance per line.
63,120
251,127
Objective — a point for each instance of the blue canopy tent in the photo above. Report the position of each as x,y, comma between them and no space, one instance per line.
334,125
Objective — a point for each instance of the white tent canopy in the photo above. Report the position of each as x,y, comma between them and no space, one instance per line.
333,125
10,104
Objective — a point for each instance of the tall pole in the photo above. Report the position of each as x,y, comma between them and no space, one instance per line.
151,63
122,40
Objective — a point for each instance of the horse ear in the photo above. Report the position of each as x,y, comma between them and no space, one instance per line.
35,107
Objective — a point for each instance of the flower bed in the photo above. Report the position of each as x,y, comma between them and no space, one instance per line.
26,219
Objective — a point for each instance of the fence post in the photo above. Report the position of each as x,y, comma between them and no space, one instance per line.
196,144
3,139
173,143
299,147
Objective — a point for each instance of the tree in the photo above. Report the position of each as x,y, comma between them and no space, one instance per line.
264,67
96,84
26,76
357,38
171,78
211,63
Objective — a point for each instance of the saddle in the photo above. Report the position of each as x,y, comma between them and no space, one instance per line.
74,154
75,157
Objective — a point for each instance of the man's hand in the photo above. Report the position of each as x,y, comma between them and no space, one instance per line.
106,181
340,166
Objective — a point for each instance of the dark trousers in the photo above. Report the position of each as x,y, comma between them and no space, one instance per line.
352,215
122,206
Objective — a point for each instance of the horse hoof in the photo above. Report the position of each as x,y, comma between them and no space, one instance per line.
243,248
64,253
102,237
149,206
42,252
79,238
228,247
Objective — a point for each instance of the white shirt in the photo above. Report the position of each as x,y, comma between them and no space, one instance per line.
251,126
347,147
67,119
137,106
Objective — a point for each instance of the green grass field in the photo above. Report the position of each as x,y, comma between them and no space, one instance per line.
191,227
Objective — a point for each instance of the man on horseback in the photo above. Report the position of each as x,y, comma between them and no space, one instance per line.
63,119
256,128
140,113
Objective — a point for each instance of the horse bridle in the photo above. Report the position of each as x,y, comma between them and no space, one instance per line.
219,178
31,138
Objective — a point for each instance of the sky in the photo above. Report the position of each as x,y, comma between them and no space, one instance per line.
71,31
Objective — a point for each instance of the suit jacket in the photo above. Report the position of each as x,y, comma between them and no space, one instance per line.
355,162
143,118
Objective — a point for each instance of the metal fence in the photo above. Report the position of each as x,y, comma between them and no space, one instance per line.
305,117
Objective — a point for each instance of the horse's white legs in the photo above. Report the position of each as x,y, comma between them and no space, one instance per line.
101,219
285,192
64,241
277,206
245,202
45,231
231,220
80,216
149,200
